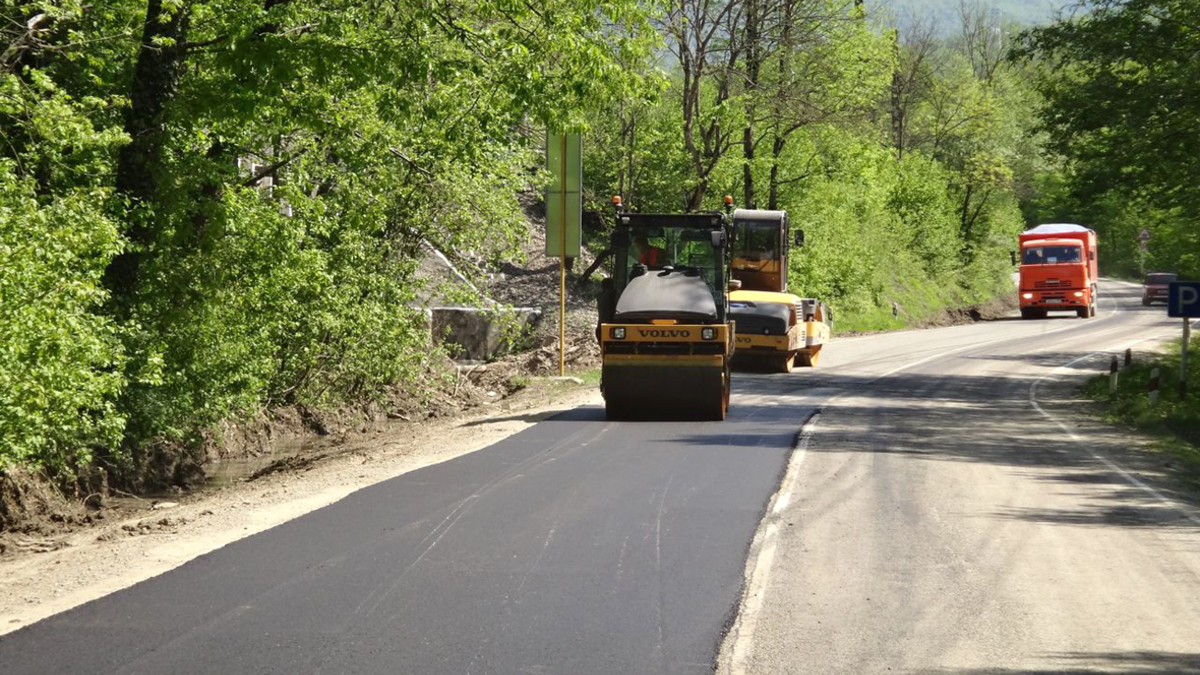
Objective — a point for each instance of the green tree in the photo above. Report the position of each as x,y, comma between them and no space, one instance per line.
60,360
1121,84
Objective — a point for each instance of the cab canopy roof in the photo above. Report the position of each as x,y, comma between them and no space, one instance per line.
759,216
1057,228
706,221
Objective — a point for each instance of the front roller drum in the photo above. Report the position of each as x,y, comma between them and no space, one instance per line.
637,391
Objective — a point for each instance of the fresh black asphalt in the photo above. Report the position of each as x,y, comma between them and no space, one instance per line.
577,546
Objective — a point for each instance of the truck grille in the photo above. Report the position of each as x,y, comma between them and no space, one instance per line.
1052,283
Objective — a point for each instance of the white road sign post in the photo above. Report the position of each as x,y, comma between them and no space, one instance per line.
1143,246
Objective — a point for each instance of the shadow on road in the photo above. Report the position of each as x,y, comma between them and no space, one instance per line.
1111,663
981,419
589,413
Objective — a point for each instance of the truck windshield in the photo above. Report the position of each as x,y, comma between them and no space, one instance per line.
1160,279
1051,255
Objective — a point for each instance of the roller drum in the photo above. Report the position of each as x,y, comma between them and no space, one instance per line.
665,391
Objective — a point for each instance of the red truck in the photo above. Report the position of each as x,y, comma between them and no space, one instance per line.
1058,270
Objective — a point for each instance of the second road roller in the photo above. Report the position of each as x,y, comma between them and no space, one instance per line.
775,329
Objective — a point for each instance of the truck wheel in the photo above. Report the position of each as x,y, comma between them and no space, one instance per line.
1145,302
1027,313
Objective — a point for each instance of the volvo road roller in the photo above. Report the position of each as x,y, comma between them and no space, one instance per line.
665,334
775,329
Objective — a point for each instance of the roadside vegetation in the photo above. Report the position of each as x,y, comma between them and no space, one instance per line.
1120,87
902,151
216,207
1173,421
1120,106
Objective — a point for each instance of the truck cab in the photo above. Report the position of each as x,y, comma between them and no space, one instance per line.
1058,271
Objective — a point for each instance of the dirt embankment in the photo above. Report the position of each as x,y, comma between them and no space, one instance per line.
534,282
1000,307
33,506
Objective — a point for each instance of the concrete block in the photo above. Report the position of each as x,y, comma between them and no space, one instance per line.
481,334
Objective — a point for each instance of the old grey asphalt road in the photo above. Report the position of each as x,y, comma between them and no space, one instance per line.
935,522
939,522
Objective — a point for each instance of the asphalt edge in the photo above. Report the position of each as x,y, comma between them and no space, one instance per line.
737,643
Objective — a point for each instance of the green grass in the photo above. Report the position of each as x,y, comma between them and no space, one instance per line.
918,300
590,376
1174,422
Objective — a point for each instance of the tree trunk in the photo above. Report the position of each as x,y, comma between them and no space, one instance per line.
630,169
753,68
747,167
696,198
964,211
778,139
155,81
898,113
776,151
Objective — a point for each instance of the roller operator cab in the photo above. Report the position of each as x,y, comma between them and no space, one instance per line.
775,329
665,334
1058,271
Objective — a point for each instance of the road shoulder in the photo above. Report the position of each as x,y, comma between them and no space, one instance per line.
1132,458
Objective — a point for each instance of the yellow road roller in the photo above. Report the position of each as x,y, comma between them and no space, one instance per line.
665,334
776,330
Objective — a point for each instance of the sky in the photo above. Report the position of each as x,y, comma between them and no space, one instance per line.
1028,12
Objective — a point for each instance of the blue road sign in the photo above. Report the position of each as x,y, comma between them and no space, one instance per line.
1183,299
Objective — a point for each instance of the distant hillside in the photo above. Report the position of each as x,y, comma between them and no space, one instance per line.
1029,12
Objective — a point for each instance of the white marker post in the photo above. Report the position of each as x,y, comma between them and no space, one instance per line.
1143,246
1187,336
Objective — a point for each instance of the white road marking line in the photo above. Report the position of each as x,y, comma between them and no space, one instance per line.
927,359
1113,466
740,639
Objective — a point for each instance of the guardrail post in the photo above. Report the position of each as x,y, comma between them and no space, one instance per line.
1128,356
1153,386
1112,375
